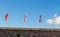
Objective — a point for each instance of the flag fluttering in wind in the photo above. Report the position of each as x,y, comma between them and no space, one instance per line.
25,18
6,17
40,18
55,16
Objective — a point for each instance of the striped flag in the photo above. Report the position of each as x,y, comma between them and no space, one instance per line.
6,17
40,18
55,18
25,18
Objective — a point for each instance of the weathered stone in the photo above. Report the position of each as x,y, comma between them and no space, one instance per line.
29,32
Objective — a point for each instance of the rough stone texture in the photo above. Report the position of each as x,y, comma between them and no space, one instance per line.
29,32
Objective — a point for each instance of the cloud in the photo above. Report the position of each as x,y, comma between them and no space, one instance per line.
50,21
58,20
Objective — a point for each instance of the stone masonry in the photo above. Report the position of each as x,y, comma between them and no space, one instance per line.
29,32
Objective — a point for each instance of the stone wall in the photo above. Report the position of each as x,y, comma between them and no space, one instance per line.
28,33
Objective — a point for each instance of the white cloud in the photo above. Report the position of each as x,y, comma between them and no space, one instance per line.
58,20
50,21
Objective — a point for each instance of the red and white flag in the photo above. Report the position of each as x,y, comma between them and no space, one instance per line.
6,17
40,18
25,18
55,16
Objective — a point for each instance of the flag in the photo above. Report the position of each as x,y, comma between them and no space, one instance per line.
6,17
25,18
40,18
55,18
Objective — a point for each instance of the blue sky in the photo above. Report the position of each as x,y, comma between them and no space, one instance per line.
17,8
